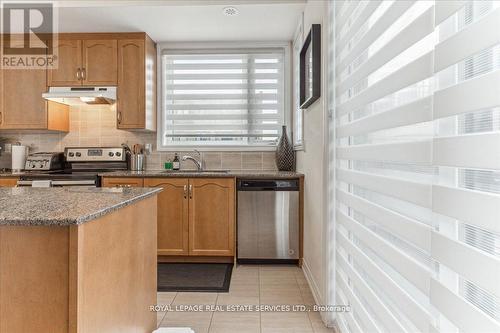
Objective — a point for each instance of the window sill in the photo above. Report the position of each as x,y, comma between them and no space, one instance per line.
216,148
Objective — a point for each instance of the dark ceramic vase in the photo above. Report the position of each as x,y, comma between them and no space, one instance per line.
285,155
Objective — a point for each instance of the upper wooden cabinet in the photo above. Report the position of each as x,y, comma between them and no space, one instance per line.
69,64
88,62
22,106
125,60
100,58
136,104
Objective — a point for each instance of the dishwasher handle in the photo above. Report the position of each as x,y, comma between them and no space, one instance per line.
268,185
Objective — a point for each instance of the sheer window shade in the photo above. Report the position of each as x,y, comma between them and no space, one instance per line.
418,165
229,98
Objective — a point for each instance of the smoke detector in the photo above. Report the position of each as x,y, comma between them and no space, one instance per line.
230,11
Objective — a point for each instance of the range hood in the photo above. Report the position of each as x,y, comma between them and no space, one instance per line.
81,95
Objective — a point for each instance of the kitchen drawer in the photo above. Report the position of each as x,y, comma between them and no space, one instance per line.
122,182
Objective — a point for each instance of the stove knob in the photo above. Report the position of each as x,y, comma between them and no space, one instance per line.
118,154
32,165
78,154
71,154
111,154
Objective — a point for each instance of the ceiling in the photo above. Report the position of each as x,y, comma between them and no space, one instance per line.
185,21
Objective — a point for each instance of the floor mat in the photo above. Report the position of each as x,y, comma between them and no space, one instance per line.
194,277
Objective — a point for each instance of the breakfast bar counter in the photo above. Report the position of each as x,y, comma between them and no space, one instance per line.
77,259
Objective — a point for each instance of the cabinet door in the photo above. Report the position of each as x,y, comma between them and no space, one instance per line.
211,216
8,182
67,73
100,59
173,223
122,182
131,91
22,105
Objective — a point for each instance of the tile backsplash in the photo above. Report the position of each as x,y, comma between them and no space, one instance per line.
96,126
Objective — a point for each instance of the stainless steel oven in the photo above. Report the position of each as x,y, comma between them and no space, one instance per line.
79,167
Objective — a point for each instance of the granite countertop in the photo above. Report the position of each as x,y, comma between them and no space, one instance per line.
64,206
254,174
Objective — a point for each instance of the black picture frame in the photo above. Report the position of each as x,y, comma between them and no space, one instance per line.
310,64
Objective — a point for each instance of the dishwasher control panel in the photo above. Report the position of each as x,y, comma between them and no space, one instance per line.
268,185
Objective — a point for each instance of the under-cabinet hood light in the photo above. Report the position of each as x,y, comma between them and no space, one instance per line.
81,96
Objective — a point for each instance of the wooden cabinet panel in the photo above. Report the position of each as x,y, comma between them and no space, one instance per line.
131,83
211,216
69,64
22,105
122,182
8,182
100,62
173,223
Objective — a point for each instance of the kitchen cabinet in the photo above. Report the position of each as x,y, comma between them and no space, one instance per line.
136,102
69,63
122,182
22,106
173,221
196,216
89,62
100,63
211,216
8,182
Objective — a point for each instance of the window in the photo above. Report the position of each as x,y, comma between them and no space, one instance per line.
298,118
222,98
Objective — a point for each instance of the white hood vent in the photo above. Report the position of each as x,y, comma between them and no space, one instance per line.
81,95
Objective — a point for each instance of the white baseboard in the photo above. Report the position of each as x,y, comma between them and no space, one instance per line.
318,298
312,283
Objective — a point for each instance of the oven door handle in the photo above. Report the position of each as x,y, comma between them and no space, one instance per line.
73,182
21,183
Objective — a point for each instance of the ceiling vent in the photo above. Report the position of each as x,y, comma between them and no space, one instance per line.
230,11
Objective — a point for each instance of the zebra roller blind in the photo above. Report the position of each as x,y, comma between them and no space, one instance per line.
223,98
417,114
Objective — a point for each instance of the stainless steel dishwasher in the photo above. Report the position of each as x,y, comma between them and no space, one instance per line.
268,221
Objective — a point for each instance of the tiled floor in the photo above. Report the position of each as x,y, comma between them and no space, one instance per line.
250,285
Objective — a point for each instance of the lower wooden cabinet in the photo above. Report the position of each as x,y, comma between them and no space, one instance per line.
8,182
211,216
173,221
196,216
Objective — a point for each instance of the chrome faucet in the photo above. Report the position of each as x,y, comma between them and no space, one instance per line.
200,165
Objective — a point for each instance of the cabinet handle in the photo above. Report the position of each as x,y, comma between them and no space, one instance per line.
119,117
1,118
84,73
123,185
78,74
185,191
190,191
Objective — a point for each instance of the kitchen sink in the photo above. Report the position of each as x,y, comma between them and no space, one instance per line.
196,171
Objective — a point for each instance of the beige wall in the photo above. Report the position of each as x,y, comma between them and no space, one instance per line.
96,126
311,162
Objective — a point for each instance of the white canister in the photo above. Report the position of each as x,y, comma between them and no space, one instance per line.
19,153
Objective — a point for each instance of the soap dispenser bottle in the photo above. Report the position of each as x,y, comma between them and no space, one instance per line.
176,163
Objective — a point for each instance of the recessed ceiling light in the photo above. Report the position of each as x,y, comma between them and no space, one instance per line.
230,11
